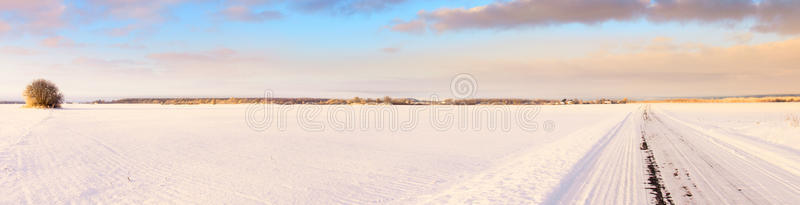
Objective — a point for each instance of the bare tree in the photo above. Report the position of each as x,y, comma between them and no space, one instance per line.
387,100
42,93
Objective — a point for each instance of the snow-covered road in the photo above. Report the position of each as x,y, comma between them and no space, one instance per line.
706,164
133,154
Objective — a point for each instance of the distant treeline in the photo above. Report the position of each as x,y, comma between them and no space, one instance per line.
12,102
728,100
192,101
356,100
413,101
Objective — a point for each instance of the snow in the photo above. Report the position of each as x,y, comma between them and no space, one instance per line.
726,153
714,158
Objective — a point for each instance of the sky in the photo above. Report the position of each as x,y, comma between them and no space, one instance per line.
107,49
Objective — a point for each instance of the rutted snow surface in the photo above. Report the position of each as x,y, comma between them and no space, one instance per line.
704,163
735,153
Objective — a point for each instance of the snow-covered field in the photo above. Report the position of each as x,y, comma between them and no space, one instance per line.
694,153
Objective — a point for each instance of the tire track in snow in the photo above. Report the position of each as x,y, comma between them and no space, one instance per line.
528,178
149,182
53,170
706,169
61,165
655,179
14,165
677,154
746,146
611,173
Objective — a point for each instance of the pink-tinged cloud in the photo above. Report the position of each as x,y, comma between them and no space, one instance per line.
658,68
417,26
701,10
124,30
777,16
32,16
370,5
4,27
780,16
59,42
243,13
742,38
128,46
118,69
48,16
143,14
518,13
148,10
218,64
390,49
329,6
14,50
96,62
251,2
193,57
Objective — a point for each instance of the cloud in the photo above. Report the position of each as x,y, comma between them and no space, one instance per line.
4,27
520,13
59,42
700,10
132,72
659,68
777,16
128,46
14,50
325,6
365,6
138,16
373,5
32,16
47,17
243,13
780,16
124,30
222,64
314,5
103,63
390,49
417,26
742,38
150,10
221,54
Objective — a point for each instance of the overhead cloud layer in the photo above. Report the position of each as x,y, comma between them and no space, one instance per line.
660,67
31,16
778,16
343,6
48,16
226,47
316,6
242,13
